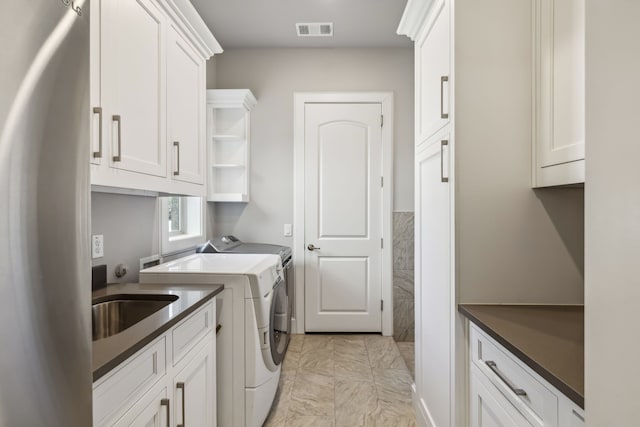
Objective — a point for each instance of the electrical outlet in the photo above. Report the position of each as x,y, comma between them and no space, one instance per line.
288,230
97,246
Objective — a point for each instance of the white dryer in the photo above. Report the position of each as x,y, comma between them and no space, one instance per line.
250,345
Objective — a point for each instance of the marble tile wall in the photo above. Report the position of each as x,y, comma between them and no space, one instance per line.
403,296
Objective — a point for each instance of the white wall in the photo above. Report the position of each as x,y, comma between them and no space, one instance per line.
274,75
514,244
612,289
130,228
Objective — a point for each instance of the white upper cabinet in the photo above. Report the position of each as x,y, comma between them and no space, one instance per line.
433,65
185,110
134,85
559,34
148,95
229,144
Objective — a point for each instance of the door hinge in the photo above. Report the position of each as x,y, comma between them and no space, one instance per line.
381,243
381,305
382,181
381,120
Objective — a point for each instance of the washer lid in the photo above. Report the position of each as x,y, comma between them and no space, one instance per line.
221,244
231,244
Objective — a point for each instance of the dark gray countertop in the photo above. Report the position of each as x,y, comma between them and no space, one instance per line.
110,352
548,338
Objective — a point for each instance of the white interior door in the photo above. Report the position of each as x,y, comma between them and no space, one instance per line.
343,217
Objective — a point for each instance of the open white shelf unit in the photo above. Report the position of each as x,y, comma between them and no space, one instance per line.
229,144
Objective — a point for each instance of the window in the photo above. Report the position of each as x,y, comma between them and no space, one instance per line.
181,223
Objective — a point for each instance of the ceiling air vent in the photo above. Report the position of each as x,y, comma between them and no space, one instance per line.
315,29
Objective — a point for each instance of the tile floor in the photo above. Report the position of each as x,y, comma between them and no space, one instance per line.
343,380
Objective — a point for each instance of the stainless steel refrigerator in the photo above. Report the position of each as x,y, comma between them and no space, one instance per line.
45,344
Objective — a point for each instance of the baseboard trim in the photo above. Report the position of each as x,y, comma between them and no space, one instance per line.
422,414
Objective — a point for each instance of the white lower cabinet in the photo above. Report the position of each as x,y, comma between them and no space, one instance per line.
152,410
505,392
571,415
193,390
491,409
157,388
434,306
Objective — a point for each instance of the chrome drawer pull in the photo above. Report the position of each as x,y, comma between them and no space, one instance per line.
165,402
180,385
492,365
177,145
443,79
580,417
117,119
443,143
98,111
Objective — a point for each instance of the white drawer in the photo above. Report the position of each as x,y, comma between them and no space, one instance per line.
120,389
537,403
189,331
571,415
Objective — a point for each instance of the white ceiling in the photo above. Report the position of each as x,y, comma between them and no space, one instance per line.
271,23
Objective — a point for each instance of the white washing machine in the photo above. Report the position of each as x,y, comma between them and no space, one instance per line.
250,344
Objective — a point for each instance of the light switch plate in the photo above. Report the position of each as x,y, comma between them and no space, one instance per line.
288,231
97,246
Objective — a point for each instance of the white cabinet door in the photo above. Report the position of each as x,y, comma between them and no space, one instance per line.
134,86
152,410
560,92
434,305
185,109
194,398
570,414
491,409
97,151
433,80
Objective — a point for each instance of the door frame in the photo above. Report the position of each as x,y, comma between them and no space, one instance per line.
385,99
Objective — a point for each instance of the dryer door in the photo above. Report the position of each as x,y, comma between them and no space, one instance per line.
279,322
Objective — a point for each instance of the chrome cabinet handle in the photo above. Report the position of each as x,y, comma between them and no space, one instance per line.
118,120
165,402
312,248
580,417
443,79
177,145
443,143
181,386
494,367
98,111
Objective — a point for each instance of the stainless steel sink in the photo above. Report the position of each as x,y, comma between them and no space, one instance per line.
113,314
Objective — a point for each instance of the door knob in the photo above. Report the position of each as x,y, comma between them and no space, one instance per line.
311,247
